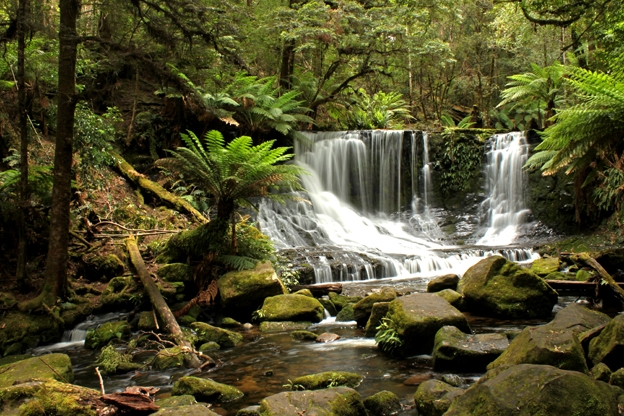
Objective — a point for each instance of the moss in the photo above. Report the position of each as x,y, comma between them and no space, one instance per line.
347,404
339,401
304,292
268,326
545,266
7,301
292,308
304,335
457,351
608,347
448,281
383,403
433,397
185,320
175,272
340,301
380,309
121,293
209,347
169,358
329,306
362,309
175,401
209,333
103,267
146,321
601,372
105,333
583,275
230,323
328,379
346,314
38,367
206,390
617,378
451,297
55,398
22,331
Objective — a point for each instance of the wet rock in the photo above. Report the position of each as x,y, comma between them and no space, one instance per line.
187,410
415,380
329,306
448,281
528,390
416,318
242,292
121,293
340,401
340,301
206,390
434,397
176,272
185,320
49,366
105,333
380,309
230,323
304,335
498,287
328,379
453,379
208,333
601,372
384,403
546,265
249,411
21,331
209,347
362,309
102,267
247,326
304,292
291,308
346,314
452,297
608,347
267,326
176,401
578,318
617,378
327,337
169,358
457,351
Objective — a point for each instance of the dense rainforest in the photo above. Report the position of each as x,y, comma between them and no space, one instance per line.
165,121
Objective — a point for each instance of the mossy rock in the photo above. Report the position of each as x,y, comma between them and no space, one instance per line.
328,379
457,351
175,401
102,267
448,281
601,372
340,301
346,314
560,276
498,287
362,309
22,331
608,347
175,272
185,320
249,411
268,326
52,366
208,333
304,335
329,306
10,359
583,275
545,266
230,323
292,308
146,321
187,410
578,319
452,297
339,401
304,292
531,390
122,293
206,390
383,403
169,358
105,333
617,378
434,397
380,309
209,347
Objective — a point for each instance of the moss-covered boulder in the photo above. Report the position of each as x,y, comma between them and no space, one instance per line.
362,309
105,333
329,306
608,347
268,326
383,403
346,314
242,292
208,333
169,358
209,347
122,293
206,390
545,266
578,319
146,321
175,401
498,287
104,267
304,335
530,390
249,411
186,410
448,281
52,366
340,301
601,372
340,401
175,272
379,310
328,379
416,318
21,331
457,351
452,297
434,397
291,308
228,322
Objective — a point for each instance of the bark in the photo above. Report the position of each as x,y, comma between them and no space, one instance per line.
321,289
171,325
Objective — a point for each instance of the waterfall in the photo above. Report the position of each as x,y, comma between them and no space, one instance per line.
505,207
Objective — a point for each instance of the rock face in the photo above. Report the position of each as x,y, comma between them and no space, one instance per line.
206,390
608,347
448,281
328,379
292,308
529,390
416,318
339,401
457,351
56,367
208,333
362,309
498,287
242,292
434,397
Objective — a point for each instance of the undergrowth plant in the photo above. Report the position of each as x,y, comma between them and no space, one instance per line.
387,337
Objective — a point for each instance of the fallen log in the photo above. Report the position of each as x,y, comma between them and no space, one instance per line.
605,277
320,289
159,304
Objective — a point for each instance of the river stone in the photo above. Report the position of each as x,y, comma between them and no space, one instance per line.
498,287
304,292
206,390
448,281
328,379
380,309
608,347
292,308
434,397
37,367
249,411
346,314
230,323
457,351
327,337
242,292
452,297
529,390
268,326
187,410
340,301
176,401
362,309
146,321
176,272
209,347
601,372
416,379
383,403
208,333
304,335
105,333
339,401
545,266
417,317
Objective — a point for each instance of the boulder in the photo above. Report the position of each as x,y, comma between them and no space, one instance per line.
452,297
175,401
327,379
498,287
146,321
457,351
617,378
267,326
340,301
327,337
49,366
208,333
383,403
209,347
434,397
578,318
176,272
529,390
230,323
416,318
601,372
291,308
249,411
340,401
329,306
608,347
380,309
362,309
448,281
304,335
242,292
21,331
206,390
545,266
346,314
105,333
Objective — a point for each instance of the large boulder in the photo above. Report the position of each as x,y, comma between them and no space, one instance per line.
205,390
434,397
291,308
339,401
327,379
176,272
577,319
457,351
415,319
448,281
208,333
608,347
21,331
529,390
242,292
362,309
498,287
50,366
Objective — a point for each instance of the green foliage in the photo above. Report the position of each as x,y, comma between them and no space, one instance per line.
461,161
387,337
381,111
284,270
292,386
40,182
110,359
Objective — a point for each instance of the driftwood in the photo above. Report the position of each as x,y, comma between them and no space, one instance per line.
159,304
155,189
131,402
321,289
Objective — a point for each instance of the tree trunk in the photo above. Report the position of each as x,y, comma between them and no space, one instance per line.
288,58
171,325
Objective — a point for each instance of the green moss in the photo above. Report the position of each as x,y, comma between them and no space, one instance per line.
206,390
363,308
340,301
608,346
122,293
304,292
37,367
209,333
23,330
328,379
383,403
107,332
169,358
292,308
304,335
617,378
268,326
175,401
175,272
451,297
545,266
601,372
380,309
230,323
209,347
103,267
54,398
346,314
433,397
347,404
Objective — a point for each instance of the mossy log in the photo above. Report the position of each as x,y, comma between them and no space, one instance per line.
161,307
604,275
155,189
